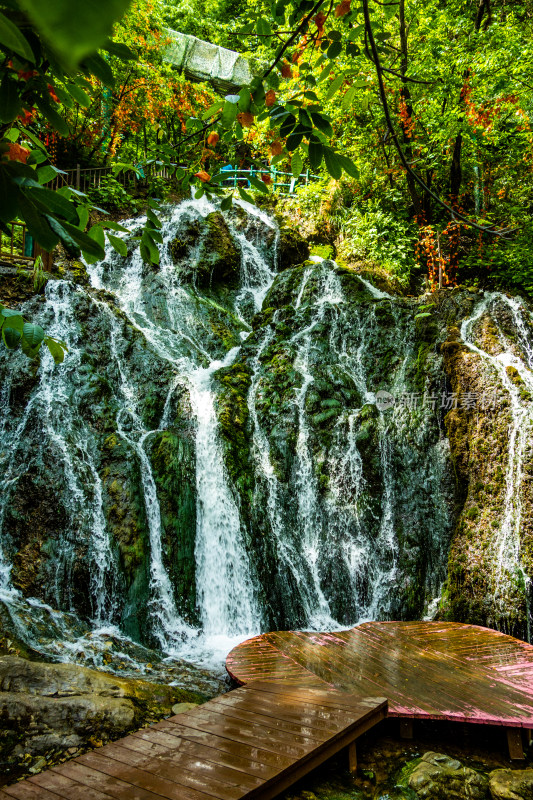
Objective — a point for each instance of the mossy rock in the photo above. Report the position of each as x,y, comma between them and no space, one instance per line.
292,249
206,254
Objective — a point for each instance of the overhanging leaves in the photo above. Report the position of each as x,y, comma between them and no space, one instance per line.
74,32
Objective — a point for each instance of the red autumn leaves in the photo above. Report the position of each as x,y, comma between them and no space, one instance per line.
15,152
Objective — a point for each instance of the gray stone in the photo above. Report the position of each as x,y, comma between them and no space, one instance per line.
180,708
439,777
51,709
511,784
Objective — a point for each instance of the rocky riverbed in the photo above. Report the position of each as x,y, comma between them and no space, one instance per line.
443,762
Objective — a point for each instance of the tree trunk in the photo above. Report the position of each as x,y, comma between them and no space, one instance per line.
406,96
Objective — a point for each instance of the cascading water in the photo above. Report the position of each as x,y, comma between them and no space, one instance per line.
227,606
339,550
505,360
149,528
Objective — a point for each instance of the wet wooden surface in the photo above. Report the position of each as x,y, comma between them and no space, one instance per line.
253,742
428,670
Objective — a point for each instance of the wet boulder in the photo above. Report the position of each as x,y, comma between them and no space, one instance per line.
206,254
49,711
511,784
439,777
293,248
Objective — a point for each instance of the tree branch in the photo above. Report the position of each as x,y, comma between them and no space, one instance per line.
383,96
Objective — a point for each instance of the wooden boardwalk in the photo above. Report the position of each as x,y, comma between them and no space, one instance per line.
427,670
253,742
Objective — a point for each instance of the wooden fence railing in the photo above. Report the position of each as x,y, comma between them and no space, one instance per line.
18,248
91,177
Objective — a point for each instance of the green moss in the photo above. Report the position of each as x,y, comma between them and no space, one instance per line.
472,512
173,462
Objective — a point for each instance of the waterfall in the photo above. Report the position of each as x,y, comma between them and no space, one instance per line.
135,529
504,554
175,337
339,551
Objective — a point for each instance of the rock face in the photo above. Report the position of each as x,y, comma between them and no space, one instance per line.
491,558
507,784
54,710
293,249
215,256
439,777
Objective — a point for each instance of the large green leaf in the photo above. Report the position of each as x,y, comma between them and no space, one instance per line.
315,153
257,184
33,334
88,243
120,50
55,119
296,165
334,87
13,39
53,203
10,103
333,165
11,336
148,245
348,166
98,67
57,349
118,244
38,226
79,95
74,31
229,114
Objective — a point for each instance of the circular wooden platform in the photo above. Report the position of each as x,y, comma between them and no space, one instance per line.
428,670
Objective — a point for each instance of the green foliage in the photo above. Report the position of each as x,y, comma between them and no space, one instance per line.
73,36
19,333
112,195
376,235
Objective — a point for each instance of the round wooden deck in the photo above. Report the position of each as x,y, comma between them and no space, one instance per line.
427,670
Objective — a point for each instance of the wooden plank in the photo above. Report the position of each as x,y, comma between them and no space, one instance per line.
205,767
514,743
255,752
120,789
65,787
292,710
244,734
255,729
244,712
28,791
200,751
186,786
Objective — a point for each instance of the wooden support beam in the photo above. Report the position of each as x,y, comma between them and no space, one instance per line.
406,728
352,758
514,742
